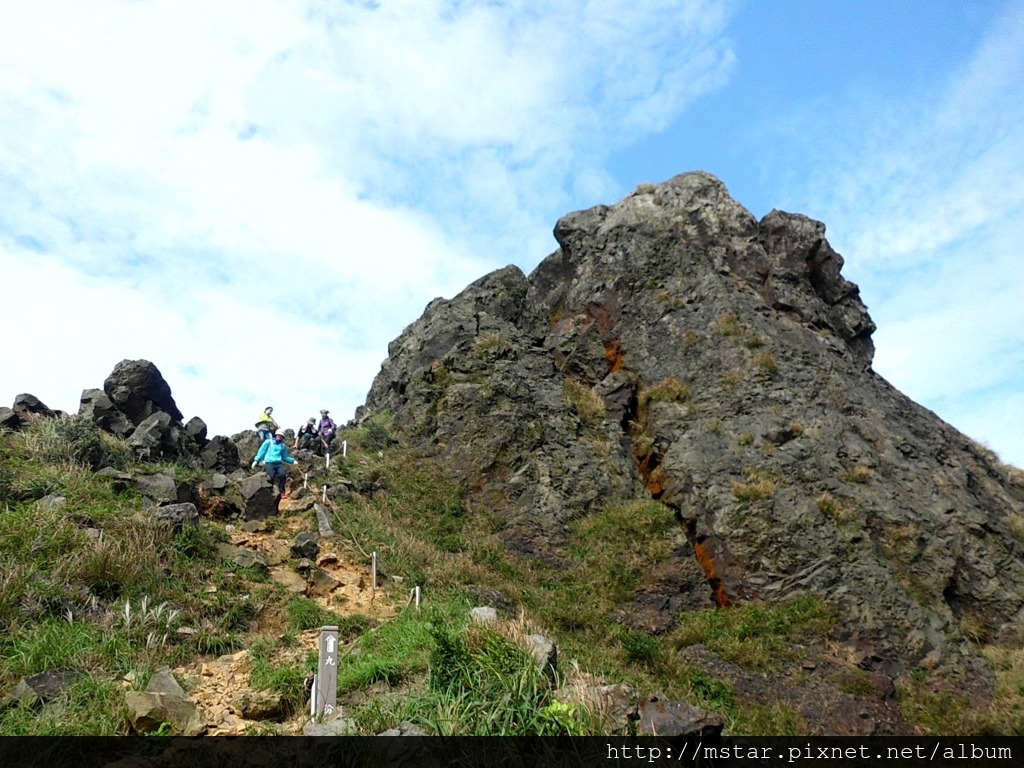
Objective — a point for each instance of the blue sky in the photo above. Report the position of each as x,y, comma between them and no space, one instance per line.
259,196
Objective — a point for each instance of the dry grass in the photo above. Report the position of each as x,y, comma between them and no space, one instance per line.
760,485
492,345
670,390
765,363
584,401
839,510
858,474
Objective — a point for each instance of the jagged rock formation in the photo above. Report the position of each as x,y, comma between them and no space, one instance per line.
678,348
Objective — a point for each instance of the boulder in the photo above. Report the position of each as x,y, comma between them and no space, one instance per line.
216,483
321,583
663,718
247,443
10,420
157,435
260,705
40,688
96,407
220,454
163,488
164,701
177,516
138,390
545,654
258,497
27,406
119,481
304,545
196,429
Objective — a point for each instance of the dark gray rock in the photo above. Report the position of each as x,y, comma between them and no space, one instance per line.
196,430
96,407
216,483
160,487
138,390
157,435
40,688
177,515
659,717
247,443
27,406
321,583
258,497
10,420
164,701
304,545
220,454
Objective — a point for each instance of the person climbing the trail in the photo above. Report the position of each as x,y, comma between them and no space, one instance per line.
306,438
327,429
274,455
265,424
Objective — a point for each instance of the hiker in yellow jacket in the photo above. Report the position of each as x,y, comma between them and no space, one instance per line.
265,424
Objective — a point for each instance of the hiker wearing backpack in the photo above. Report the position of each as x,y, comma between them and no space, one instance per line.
274,455
327,429
265,424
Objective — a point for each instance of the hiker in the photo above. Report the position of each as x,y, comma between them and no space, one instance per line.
327,429
274,455
306,438
265,424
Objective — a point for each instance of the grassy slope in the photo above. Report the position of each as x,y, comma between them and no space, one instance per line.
110,605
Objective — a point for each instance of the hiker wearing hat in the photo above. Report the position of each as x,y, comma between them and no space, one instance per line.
327,429
306,438
265,424
274,455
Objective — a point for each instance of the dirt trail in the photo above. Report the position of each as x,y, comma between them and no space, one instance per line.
221,687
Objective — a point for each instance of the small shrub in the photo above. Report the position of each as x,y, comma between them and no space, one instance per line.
747,438
640,647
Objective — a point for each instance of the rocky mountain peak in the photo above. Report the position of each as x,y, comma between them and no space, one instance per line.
675,348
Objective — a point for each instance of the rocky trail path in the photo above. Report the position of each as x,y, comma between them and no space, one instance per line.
323,572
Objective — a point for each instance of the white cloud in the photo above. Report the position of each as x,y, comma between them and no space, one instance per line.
259,196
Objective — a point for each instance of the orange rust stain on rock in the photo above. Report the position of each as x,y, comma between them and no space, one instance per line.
706,558
613,351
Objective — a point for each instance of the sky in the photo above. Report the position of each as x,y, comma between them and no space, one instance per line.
259,196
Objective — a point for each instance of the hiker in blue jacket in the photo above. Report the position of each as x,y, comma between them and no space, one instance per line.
274,455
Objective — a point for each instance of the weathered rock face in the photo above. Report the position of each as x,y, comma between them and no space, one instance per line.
677,348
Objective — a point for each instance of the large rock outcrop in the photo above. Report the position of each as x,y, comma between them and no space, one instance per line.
136,404
676,347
